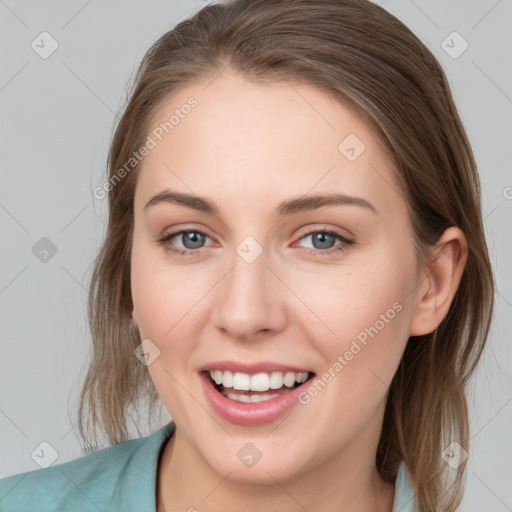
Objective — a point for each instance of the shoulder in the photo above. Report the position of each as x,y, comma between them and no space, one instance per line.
120,477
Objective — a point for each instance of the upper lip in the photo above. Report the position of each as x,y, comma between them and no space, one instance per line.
252,368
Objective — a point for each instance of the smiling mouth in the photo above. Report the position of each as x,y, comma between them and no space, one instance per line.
260,387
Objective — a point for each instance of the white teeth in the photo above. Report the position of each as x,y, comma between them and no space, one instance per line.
239,397
289,379
241,381
276,380
217,376
227,379
302,377
258,382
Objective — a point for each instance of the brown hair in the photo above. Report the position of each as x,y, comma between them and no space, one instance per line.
371,62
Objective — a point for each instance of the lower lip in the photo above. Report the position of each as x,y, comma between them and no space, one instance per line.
249,414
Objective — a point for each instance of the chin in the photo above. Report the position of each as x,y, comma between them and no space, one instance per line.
259,462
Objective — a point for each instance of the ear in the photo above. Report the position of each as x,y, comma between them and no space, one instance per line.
439,282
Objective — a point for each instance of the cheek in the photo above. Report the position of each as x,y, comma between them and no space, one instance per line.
166,296
361,330
370,299
170,301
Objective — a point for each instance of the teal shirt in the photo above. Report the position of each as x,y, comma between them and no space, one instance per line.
121,477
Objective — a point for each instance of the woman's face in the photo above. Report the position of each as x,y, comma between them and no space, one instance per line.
268,280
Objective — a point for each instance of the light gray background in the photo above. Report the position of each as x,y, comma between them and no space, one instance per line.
57,116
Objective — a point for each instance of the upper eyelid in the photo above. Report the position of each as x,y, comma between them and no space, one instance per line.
323,228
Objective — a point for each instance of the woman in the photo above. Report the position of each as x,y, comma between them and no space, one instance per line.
295,255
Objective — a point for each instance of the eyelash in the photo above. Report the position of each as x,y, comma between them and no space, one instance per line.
312,252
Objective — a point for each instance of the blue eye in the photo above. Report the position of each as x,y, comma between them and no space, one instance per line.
196,239
323,241
193,240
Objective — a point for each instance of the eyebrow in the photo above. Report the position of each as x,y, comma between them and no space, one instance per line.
286,208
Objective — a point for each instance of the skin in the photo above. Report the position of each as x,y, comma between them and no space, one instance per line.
247,147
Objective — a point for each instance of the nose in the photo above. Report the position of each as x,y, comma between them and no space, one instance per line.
249,303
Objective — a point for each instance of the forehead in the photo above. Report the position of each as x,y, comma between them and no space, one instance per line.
247,141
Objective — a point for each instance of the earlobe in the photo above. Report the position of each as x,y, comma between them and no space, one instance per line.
439,285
